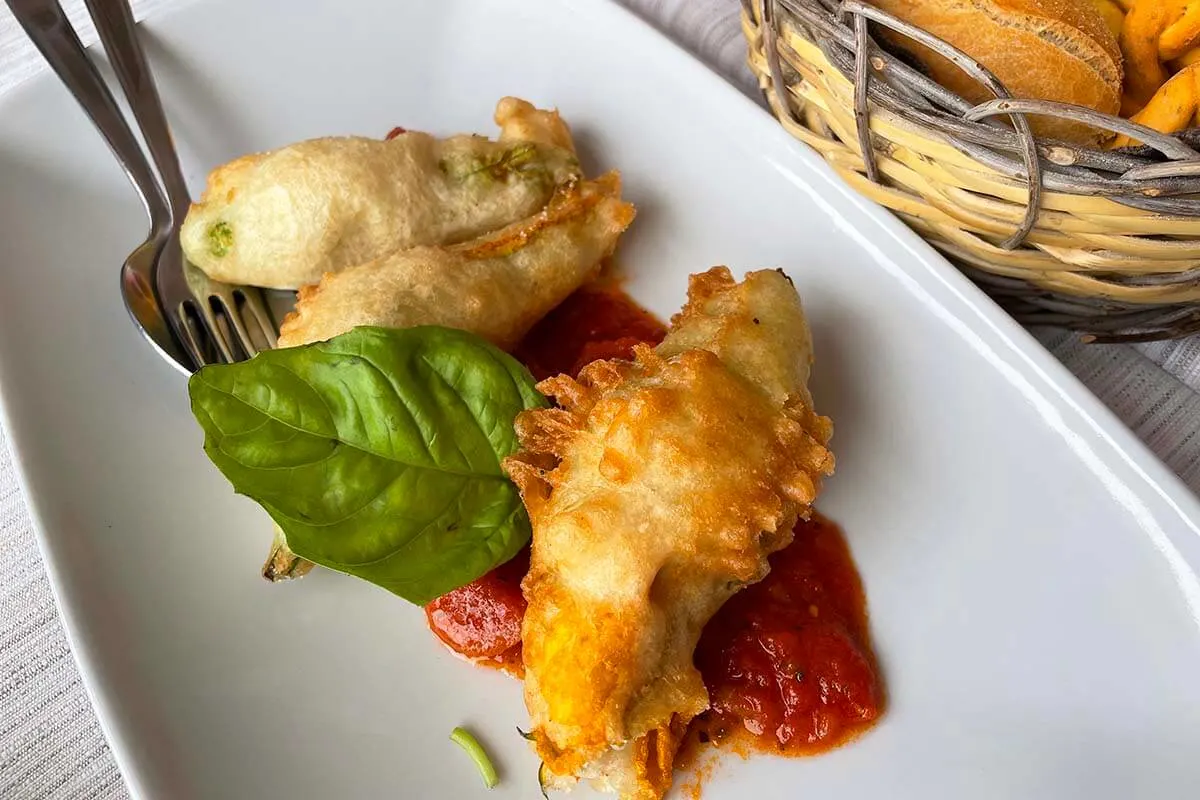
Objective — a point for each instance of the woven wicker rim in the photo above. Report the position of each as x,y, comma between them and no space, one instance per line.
1104,241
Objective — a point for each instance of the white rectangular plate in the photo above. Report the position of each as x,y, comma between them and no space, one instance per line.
1030,568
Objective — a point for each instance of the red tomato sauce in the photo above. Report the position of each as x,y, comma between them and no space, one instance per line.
596,322
482,620
787,662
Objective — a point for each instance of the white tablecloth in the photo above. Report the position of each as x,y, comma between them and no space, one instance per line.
50,743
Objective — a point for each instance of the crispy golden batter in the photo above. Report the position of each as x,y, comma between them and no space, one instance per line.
497,286
284,218
522,121
656,490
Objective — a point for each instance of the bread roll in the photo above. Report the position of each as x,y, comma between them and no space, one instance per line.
1060,50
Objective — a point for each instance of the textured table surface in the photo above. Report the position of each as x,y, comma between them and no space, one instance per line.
51,745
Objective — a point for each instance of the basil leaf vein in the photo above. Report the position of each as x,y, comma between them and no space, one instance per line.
378,452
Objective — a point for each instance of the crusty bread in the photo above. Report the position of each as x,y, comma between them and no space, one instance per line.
1046,49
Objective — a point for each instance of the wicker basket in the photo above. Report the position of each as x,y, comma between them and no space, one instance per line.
1106,242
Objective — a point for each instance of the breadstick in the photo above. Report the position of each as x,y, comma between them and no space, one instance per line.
1113,13
1181,35
1173,106
1144,71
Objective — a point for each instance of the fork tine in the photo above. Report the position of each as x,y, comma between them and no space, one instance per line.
183,330
213,329
225,296
258,309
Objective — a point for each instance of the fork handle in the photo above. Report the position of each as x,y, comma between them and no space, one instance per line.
50,31
118,33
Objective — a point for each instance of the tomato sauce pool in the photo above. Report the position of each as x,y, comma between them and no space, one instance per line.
787,662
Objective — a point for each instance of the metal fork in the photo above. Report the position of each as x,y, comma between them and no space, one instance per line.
208,318
187,295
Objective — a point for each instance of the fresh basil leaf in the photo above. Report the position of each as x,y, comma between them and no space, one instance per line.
377,452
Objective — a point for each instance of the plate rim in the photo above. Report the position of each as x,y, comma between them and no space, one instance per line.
1048,378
